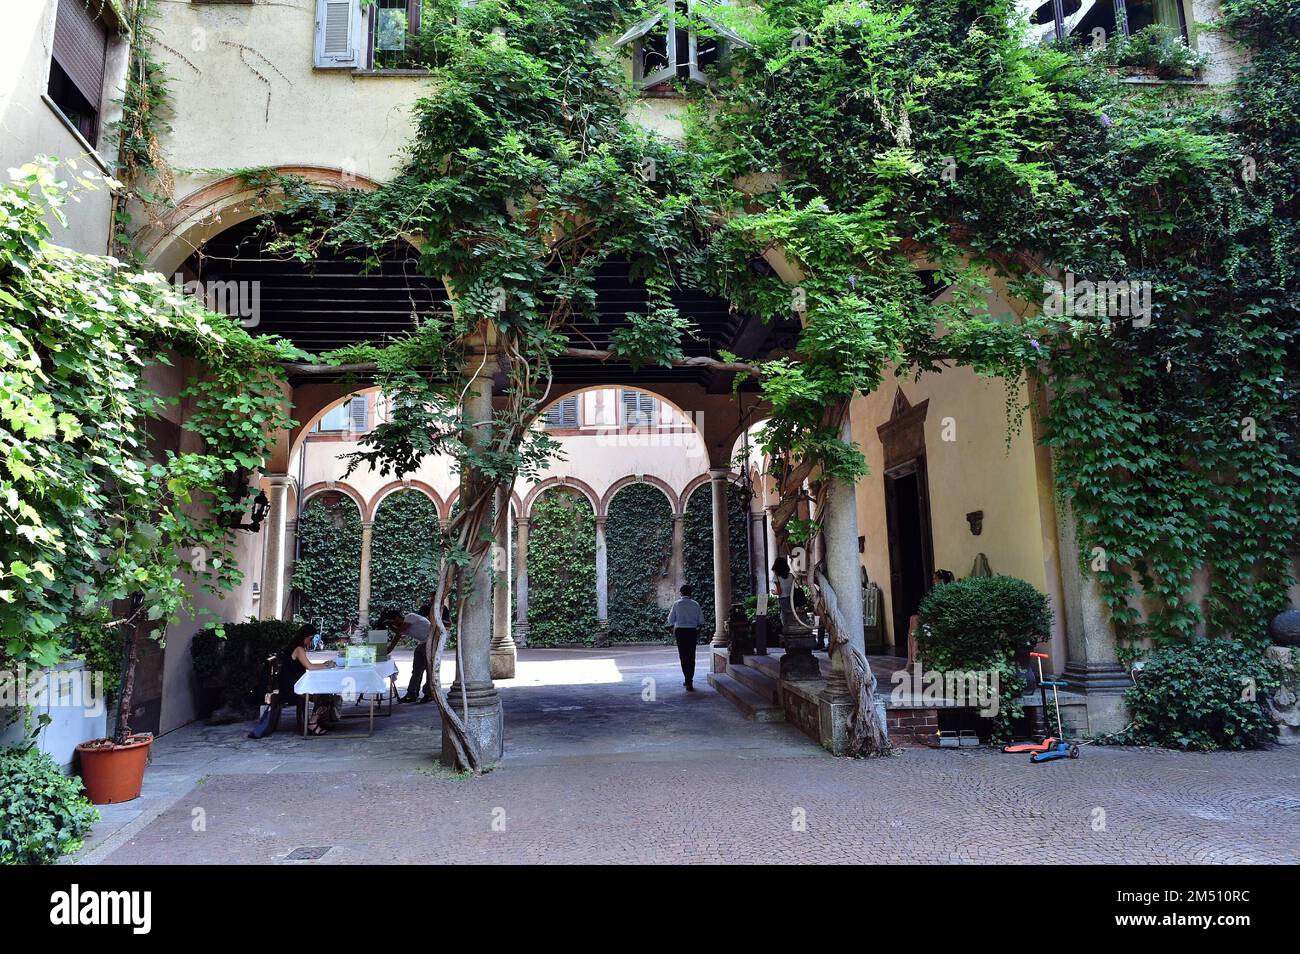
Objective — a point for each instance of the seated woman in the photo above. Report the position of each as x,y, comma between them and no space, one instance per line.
294,661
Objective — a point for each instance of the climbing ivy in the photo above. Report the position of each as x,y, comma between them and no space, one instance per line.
697,548
865,135
327,574
561,570
406,544
639,550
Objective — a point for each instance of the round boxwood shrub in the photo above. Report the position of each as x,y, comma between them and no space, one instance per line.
43,813
1201,696
967,620
980,624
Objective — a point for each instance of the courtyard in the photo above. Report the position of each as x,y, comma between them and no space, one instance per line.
595,772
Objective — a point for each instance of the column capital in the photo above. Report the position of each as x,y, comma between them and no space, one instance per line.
601,520
281,481
719,473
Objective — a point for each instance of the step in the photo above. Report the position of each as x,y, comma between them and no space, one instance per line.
769,666
751,704
764,686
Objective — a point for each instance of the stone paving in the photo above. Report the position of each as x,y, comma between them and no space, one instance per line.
597,772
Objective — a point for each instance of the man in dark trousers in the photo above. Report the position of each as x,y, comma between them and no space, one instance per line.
414,626
685,619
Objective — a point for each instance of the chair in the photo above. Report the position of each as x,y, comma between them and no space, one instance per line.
272,697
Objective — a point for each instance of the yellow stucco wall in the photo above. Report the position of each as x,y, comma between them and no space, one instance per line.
976,471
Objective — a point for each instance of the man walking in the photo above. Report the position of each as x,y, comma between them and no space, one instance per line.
684,620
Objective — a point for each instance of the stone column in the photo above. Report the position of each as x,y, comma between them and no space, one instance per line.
279,548
844,573
473,686
1092,665
363,604
521,582
602,584
757,539
503,644
677,569
721,556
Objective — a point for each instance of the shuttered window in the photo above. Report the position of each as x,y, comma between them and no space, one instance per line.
349,417
639,409
77,67
563,413
338,28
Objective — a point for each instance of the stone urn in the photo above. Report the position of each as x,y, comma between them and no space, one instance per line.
1284,630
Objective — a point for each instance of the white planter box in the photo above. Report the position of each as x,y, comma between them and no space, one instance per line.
75,715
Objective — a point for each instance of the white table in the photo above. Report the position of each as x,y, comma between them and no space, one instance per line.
346,681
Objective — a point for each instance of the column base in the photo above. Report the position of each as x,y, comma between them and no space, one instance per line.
1102,686
485,723
602,633
798,661
520,635
502,661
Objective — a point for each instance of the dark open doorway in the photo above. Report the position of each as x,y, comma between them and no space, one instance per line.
911,559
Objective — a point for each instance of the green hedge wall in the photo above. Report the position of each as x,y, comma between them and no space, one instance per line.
327,575
406,543
698,547
561,570
639,547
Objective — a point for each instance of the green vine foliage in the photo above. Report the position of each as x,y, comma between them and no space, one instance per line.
88,513
887,133
327,574
406,543
697,548
561,570
639,550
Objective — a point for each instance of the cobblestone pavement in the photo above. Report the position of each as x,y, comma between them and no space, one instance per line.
596,774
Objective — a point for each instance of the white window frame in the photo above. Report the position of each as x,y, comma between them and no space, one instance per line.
351,59
636,35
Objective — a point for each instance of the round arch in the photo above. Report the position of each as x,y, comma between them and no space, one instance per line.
567,483
696,483
674,503
337,486
396,486
210,210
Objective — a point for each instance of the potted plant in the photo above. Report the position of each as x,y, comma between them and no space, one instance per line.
112,768
1157,51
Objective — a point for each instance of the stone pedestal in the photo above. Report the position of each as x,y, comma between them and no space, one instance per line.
798,662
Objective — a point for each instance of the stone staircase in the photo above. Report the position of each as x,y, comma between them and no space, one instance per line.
752,687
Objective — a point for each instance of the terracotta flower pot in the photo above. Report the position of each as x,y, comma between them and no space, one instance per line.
114,773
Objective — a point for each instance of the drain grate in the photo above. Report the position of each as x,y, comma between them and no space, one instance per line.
308,853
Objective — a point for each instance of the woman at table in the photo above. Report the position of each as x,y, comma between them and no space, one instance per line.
294,661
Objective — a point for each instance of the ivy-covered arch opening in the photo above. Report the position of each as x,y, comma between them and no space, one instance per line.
639,551
561,569
327,571
697,548
406,545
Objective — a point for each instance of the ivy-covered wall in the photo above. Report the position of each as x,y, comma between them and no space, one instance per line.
405,546
639,550
697,547
327,574
561,570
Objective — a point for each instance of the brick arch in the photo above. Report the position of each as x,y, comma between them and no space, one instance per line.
212,209
336,486
696,483
516,504
550,483
674,502
397,486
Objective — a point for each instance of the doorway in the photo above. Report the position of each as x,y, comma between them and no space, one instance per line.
911,557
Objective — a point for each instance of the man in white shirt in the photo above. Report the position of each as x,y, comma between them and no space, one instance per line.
684,620
414,626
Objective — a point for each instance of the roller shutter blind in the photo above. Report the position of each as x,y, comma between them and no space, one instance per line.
80,43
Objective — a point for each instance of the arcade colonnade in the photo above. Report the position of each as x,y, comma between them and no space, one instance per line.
488,629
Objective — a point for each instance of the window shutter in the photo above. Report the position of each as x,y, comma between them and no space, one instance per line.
359,417
338,32
564,413
638,409
80,42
